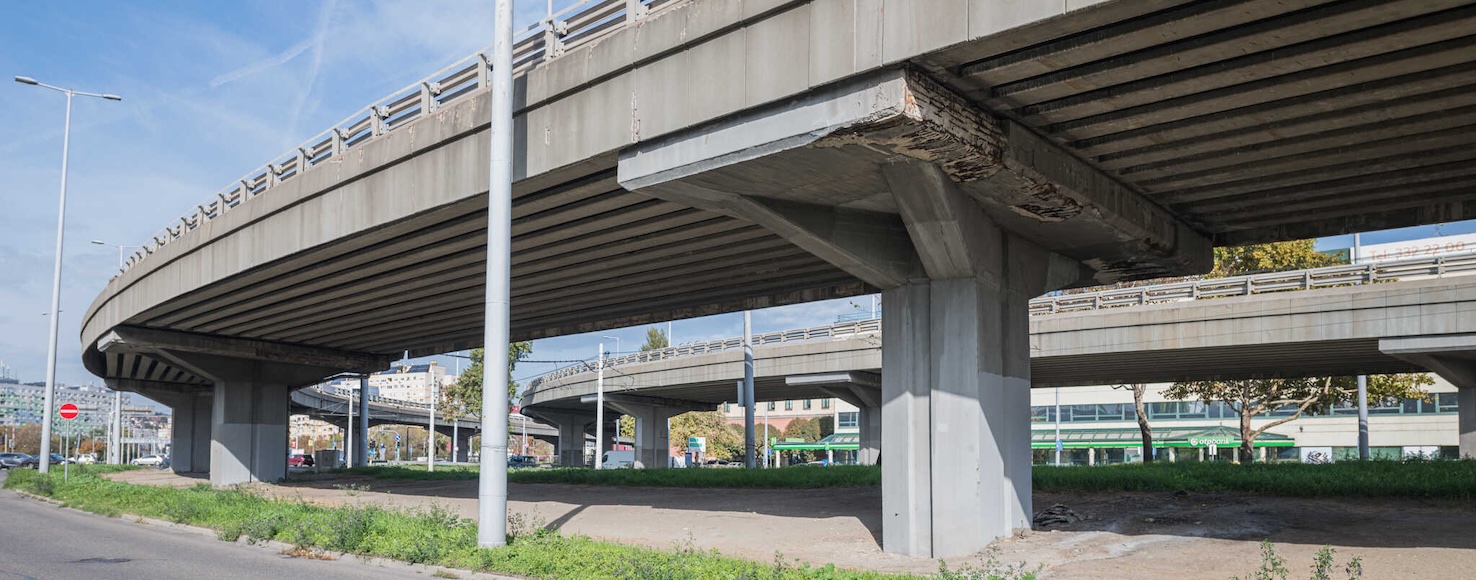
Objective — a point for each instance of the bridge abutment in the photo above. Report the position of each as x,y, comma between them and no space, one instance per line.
1467,421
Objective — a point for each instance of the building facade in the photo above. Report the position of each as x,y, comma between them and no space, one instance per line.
409,382
23,404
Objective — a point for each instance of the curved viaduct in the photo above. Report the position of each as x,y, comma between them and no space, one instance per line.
704,156
1412,326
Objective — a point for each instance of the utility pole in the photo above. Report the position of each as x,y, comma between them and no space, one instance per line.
600,409
1363,452
492,478
430,434
1058,426
348,435
749,458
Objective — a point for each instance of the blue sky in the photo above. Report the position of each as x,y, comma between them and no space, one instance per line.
211,91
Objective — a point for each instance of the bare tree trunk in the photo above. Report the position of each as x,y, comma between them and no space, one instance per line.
1138,391
1247,437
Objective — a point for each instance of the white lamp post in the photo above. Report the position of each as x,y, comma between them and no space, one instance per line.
61,214
120,247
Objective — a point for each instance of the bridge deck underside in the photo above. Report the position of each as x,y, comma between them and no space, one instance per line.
1252,120
619,258
1256,120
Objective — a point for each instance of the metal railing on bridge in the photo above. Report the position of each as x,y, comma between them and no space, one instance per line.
1330,276
578,24
1294,280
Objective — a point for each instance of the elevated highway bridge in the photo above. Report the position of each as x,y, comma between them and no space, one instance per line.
685,158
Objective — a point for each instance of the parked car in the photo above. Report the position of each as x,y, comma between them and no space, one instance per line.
521,461
152,460
57,459
13,460
300,460
85,459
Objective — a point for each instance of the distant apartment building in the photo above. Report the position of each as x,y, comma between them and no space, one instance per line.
409,382
22,404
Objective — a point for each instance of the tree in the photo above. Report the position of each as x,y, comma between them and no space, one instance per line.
465,395
655,340
627,427
1275,256
804,429
1139,389
1295,397
825,425
724,440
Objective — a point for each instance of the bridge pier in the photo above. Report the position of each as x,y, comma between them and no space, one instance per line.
1467,421
463,445
652,432
190,439
870,423
248,432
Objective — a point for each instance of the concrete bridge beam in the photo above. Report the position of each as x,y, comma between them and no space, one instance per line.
1453,357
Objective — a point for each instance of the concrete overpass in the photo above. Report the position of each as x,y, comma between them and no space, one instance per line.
330,404
684,158
1342,320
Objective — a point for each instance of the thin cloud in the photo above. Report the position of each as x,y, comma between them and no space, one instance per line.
275,61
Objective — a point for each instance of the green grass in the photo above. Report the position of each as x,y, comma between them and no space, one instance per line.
434,536
786,478
1417,479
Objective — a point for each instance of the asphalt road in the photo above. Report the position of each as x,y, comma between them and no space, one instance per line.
42,541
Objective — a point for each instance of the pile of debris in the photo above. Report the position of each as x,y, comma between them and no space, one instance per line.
1055,515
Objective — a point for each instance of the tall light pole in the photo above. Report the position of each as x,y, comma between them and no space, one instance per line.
61,214
492,481
1363,452
600,408
616,440
120,247
748,395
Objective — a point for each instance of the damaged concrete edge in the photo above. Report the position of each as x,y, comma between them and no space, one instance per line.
790,125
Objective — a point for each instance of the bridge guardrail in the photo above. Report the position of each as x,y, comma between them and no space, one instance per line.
559,31
1295,280
1367,273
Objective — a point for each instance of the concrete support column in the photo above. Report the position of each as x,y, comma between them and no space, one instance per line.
1467,421
870,423
652,433
190,439
571,438
463,445
248,432
955,382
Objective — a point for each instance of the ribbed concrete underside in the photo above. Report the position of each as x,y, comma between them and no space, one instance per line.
1258,120
419,284
1252,120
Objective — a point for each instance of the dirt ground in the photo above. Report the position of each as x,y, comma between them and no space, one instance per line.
1145,536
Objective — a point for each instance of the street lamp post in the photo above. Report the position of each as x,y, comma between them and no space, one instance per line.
61,214
615,441
120,247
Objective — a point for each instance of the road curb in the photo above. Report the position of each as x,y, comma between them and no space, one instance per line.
282,547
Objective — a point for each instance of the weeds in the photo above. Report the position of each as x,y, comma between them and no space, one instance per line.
1273,566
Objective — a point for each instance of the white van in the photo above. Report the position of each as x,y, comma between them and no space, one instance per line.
618,459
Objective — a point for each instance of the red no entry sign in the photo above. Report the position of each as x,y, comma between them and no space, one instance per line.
68,411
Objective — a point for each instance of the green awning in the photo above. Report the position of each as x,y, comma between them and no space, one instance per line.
834,442
1183,437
